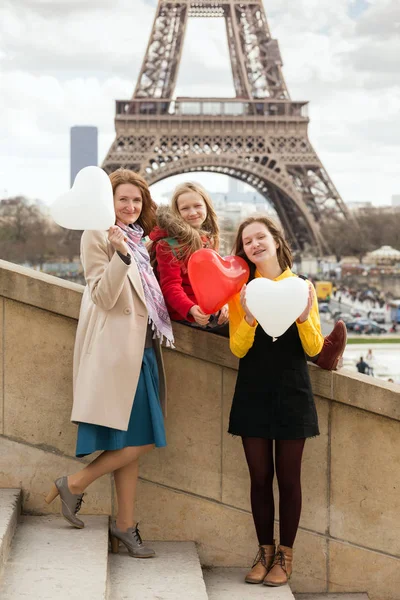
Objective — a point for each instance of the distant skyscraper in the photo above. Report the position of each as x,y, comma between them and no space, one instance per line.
235,186
83,149
396,200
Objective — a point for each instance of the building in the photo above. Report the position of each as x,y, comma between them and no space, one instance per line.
358,207
83,149
396,201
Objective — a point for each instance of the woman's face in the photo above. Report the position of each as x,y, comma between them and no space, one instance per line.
127,203
192,209
258,243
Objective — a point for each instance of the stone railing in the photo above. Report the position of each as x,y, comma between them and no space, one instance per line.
198,488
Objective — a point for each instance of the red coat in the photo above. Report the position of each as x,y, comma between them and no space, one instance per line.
173,276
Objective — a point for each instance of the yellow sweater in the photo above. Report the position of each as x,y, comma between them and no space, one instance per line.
242,334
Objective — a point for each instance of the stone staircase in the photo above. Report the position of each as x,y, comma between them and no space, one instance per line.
43,558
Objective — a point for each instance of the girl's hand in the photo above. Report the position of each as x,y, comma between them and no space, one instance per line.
117,238
223,315
198,315
248,316
306,312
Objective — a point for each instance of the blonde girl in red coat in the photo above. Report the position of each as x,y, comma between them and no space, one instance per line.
188,224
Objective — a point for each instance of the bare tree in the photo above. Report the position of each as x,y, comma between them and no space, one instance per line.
27,234
374,228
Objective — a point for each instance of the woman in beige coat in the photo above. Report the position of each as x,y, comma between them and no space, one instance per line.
119,389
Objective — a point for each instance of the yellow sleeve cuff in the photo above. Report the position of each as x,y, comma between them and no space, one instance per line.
242,340
311,337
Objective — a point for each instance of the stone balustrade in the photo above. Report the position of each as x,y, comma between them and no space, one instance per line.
198,488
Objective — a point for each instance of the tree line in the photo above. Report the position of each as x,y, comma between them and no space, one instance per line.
28,234
364,232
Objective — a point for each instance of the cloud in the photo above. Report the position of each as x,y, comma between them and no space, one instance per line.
381,20
45,38
65,63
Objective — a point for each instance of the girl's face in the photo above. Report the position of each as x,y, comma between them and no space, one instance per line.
258,243
127,203
192,209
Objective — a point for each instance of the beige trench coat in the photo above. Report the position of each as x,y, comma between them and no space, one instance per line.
110,338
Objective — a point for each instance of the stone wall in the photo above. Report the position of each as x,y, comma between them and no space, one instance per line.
198,488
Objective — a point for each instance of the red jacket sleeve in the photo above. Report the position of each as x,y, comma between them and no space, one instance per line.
169,270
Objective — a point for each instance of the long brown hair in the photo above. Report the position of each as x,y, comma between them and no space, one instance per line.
189,237
283,252
147,218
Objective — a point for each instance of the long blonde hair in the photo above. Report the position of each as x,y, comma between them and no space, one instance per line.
190,239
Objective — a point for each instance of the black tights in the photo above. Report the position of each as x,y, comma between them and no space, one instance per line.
260,460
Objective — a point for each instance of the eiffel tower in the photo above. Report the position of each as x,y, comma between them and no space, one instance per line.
259,136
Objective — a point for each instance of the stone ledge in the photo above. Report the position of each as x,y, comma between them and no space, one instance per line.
204,345
63,297
358,391
40,290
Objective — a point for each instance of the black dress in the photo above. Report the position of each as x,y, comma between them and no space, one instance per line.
273,397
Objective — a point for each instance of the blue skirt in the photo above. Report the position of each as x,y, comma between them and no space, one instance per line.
146,423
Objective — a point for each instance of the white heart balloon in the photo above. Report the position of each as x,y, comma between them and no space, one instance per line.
277,304
89,204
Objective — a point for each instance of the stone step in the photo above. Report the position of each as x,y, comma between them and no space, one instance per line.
174,574
228,584
10,509
331,596
49,559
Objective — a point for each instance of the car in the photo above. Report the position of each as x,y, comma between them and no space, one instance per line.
351,323
355,313
324,308
368,327
346,317
377,314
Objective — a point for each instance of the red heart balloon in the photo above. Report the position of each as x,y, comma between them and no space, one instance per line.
215,279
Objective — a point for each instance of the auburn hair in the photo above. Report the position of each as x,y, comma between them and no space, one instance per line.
190,239
147,217
283,252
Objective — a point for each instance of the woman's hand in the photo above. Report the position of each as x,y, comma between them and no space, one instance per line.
223,315
248,316
117,238
198,315
306,312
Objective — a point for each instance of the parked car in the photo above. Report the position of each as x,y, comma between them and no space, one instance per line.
377,314
368,326
346,317
351,323
324,308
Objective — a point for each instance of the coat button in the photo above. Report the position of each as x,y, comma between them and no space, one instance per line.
127,310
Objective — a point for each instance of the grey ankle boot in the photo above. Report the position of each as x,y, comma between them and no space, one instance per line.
131,539
70,503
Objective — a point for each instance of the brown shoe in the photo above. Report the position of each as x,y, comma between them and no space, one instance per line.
262,564
333,348
281,569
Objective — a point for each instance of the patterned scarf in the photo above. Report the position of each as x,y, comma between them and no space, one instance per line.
158,314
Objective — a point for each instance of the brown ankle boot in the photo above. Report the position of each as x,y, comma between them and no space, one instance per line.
334,345
281,568
261,565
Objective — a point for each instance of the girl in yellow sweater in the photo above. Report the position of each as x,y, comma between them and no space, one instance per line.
273,409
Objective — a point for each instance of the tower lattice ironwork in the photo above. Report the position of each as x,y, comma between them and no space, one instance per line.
259,137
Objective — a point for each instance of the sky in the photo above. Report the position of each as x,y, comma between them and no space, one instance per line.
65,62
